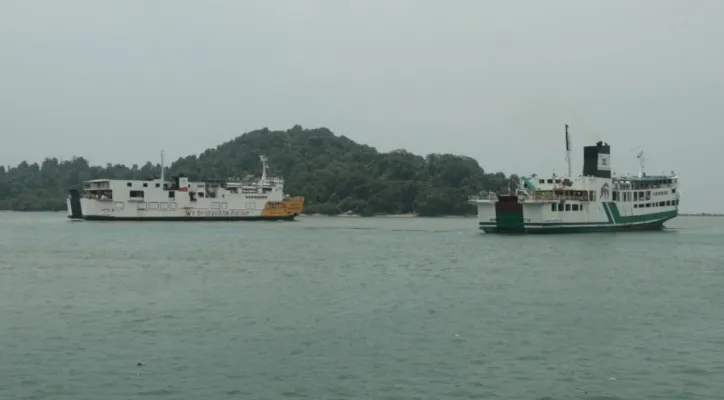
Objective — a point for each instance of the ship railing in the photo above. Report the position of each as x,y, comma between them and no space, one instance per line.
97,197
549,196
491,196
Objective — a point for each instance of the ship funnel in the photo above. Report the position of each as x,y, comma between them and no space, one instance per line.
597,160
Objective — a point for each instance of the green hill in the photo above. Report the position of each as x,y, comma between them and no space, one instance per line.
334,173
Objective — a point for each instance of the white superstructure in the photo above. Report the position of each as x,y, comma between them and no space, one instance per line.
181,199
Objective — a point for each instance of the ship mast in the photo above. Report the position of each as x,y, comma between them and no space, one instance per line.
568,152
641,159
263,168
162,180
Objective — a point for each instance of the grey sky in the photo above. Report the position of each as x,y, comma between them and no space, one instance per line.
116,81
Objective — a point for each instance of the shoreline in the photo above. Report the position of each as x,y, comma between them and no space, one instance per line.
403,216
342,215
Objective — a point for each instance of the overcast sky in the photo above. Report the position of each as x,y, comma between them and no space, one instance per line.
116,81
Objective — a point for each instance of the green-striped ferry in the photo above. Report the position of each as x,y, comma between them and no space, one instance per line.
595,201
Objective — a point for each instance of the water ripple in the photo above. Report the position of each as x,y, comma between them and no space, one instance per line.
356,309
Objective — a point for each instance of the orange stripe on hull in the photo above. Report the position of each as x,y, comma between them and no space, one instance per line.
290,207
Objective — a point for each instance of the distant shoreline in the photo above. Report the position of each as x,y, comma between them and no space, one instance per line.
409,215
342,215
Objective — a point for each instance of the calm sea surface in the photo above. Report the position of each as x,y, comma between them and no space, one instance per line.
350,308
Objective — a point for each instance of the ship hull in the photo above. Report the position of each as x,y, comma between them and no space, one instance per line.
232,209
575,228
511,216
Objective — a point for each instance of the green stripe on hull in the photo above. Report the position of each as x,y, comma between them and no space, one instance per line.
552,228
652,226
614,222
639,218
608,213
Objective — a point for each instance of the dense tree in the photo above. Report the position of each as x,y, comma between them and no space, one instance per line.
334,173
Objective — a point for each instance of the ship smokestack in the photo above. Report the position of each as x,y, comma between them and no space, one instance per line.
597,160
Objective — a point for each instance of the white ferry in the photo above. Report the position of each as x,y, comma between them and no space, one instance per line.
595,201
182,200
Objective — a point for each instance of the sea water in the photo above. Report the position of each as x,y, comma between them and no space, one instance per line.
357,308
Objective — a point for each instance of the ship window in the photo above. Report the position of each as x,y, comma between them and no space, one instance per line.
575,207
128,184
662,203
136,193
673,190
145,184
550,180
568,207
648,205
636,206
171,194
553,207
668,202
120,205
541,181
201,194
158,185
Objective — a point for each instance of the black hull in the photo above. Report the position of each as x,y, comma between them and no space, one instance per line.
181,219
592,228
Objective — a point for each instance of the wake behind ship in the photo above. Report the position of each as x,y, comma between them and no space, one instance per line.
182,200
595,201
